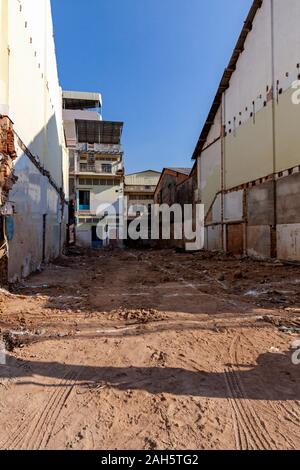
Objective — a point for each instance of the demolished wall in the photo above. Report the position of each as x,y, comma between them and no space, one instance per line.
7,180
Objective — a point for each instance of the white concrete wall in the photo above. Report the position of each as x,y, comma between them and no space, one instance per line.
35,98
102,198
34,197
4,63
288,242
31,96
215,130
210,174
145,178
262,136
253,72
233,206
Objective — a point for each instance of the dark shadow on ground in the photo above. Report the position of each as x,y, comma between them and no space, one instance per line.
274,377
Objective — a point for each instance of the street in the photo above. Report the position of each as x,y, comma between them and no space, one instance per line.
151,350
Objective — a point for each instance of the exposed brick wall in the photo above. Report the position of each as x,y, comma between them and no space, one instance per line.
7,140
7,180
7,155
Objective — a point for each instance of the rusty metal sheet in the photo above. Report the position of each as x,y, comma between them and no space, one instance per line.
235,238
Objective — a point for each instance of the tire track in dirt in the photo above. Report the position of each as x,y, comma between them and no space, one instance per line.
247,427
252,439
38,427
6,445
258,428
241,441
292,415
247,434
243,436
48,420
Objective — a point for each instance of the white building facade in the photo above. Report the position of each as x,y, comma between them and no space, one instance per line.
96,170
248,152
30,96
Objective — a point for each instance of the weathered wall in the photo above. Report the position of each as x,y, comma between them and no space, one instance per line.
287,133
210,174
249,150
33,83
248,85
213,238
288,197
259,241
166,192
4,56
34,198
99,195
260,205
31,97
148,178
261,143
7,180
288,242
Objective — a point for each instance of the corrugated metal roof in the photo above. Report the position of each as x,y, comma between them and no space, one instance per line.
225,81
99,132
184,171
144,171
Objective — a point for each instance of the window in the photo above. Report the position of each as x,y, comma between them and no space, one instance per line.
84,200
106,168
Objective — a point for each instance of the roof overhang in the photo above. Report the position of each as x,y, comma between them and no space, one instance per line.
81,100
99,132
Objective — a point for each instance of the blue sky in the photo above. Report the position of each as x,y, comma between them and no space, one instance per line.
157,64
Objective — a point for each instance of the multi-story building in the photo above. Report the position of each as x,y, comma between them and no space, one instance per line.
96,170
248,153
175,186
139,190
166,189
33,156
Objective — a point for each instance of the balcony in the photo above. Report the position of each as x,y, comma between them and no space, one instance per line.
147,189
101,169
105,149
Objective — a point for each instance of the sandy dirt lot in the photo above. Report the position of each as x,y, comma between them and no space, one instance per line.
151,350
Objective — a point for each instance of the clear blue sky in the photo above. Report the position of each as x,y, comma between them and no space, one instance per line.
157,64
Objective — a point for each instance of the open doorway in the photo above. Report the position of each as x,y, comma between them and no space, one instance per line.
96,241
84,200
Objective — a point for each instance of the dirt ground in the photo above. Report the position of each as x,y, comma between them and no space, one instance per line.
151,350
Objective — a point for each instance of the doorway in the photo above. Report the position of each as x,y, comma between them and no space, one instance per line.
96,241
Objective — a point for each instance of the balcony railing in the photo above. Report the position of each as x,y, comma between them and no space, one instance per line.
107,149
140,189
101,169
